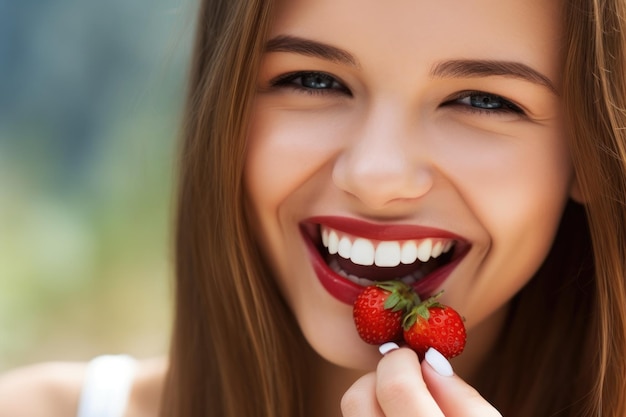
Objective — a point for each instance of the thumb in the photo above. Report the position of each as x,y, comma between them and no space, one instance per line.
453,395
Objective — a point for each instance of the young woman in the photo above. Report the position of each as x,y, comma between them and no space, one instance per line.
493,131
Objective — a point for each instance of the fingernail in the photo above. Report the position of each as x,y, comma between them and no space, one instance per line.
438,362
387,347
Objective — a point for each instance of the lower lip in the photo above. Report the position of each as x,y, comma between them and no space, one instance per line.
347,291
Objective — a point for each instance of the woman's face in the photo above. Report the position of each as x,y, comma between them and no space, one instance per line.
420,140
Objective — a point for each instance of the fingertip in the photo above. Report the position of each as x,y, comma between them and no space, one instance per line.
438,362
387,347
453,395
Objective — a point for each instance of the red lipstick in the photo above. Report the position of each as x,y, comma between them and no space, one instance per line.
381,231
345,290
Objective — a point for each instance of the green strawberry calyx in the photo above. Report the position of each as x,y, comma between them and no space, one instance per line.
421,310
401,296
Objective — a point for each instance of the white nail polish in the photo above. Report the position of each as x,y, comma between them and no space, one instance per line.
387,347
438,362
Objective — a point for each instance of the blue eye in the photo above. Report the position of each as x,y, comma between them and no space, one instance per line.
485,101
316,81
311,82
481,102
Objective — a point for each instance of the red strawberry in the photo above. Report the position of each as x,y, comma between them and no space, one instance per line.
431,324
379,310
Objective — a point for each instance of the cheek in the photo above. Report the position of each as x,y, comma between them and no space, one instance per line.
511,180
518,196
284,152
270,175
282,158
285,161
529,191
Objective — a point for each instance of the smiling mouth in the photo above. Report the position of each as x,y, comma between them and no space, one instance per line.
364,261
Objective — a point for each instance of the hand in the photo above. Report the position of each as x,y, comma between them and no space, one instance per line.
402,387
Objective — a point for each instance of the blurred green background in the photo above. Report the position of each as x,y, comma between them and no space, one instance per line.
90,101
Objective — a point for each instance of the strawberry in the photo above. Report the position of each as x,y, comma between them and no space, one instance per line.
379,310
431,324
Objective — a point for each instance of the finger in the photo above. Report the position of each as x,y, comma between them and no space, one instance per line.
360,399
454,396
400,388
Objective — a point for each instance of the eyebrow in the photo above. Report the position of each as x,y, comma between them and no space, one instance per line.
484,68
285,43
460,68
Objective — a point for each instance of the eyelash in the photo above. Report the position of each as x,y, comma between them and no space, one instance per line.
337,87
505,106
289,81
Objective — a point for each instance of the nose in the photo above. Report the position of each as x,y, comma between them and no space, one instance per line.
383,162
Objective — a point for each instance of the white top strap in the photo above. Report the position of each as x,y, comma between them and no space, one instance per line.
107,386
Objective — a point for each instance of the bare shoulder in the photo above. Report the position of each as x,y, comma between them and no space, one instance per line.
145,397
46,390
53,389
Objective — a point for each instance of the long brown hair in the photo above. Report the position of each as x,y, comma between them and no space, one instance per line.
563,350
232,352
595,96
236,350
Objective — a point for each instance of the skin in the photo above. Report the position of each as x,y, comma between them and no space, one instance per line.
395,143
53,389
398,149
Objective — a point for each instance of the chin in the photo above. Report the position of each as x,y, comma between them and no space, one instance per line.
339,344
357,356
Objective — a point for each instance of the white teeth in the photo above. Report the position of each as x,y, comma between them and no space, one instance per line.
333,242
409,252
362,252
344,248
334,265
437,249
390,253
387,254
361,281
325,237
424,250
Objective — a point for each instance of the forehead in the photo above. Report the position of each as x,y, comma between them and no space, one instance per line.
415,32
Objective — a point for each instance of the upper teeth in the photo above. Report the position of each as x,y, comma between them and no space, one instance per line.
387,253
